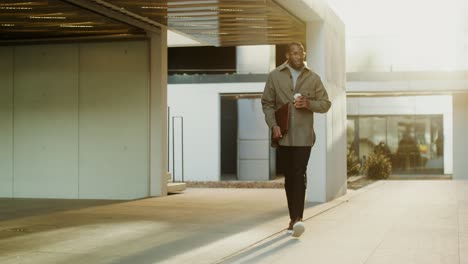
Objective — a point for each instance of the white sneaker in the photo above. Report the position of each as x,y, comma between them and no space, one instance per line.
289,231
298,229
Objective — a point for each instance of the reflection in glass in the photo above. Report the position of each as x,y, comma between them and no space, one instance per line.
414,144
372,132
350,131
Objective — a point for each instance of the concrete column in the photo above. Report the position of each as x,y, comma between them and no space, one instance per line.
460,141
6,121
326,174
448,140
158,113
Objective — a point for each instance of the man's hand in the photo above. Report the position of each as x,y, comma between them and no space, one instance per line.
301,102
277,133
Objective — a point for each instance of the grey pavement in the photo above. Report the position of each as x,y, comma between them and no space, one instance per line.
386,222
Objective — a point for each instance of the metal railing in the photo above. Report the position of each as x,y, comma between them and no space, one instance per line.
173,147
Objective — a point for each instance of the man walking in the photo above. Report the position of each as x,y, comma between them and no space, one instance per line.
293,82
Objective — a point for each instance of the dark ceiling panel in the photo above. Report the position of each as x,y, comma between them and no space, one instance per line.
55,19
214,22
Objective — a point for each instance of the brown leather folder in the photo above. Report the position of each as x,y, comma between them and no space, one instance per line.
282,119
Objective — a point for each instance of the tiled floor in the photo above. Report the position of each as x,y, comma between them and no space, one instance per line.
394,222
390,222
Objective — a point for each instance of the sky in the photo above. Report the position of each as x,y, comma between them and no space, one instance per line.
405,34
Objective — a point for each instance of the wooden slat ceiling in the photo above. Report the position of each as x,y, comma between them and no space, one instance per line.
55,19
214,22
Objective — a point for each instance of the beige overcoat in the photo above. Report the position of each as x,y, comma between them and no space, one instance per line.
279,90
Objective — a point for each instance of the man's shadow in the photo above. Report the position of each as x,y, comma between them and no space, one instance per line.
250,255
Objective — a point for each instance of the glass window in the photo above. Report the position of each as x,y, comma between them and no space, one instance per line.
372,132
350,132
414,144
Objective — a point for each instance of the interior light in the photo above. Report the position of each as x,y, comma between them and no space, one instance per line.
250,18
17,4
226,9
47,17
214,33
192,25
15,8
179,17
154,7
76,26
7,25
277,35
260,27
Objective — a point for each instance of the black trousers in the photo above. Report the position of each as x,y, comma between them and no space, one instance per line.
294,163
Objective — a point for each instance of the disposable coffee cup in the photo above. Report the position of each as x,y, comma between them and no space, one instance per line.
296,95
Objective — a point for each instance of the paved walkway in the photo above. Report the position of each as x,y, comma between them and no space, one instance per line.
387,222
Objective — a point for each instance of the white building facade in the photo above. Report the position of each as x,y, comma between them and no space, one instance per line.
410,63
87,118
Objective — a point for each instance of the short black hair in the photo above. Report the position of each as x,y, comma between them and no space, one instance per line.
294,43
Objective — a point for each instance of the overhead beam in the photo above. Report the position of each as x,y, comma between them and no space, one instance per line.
119,14
113,37
399,93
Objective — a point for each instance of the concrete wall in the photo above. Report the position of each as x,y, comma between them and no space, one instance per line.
410,105
114,120
45,111
6,121
76,121
460,126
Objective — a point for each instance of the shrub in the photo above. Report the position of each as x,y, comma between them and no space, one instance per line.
352,163
382,148
378,166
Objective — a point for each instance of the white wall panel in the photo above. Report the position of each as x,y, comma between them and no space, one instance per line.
251,124
199,104
6,121
45,126
253,170
401,105
255,59
386,105
253,141
254,150
114,139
